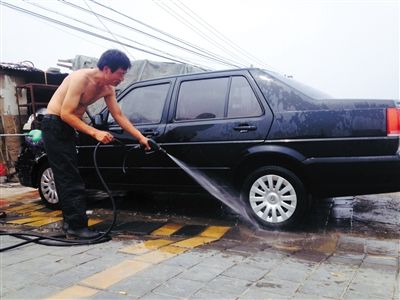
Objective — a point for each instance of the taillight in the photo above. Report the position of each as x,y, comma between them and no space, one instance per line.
393,121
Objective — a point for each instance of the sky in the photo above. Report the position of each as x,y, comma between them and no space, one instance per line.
348,49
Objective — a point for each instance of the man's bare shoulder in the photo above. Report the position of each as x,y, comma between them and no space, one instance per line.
82,74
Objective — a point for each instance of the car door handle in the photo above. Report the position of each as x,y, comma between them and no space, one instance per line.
245,128
150,132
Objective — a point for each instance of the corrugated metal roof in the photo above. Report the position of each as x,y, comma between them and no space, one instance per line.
18,67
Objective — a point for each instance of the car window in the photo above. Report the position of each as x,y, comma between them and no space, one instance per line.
242,101
143,105
202,99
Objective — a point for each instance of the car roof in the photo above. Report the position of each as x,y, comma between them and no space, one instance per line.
195,73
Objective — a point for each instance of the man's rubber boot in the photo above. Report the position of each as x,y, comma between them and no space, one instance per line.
81,233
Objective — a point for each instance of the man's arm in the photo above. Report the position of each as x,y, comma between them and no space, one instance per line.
123,121
70,105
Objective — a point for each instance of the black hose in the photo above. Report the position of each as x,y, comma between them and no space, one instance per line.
56,240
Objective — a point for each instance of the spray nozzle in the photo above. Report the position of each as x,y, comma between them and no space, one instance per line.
154,147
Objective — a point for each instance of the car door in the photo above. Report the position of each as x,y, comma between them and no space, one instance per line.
122,165
213,119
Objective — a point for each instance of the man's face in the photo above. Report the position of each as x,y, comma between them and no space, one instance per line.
115,78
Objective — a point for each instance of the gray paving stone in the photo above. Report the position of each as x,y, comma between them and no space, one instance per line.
106,295
54,268
385,291
382,247
93,267
310,255
334,273
270,254
78,259
244,249
222,260
16,256
242,271
228,286
162,272
60,251
189,259
346,259
263,263
206,294
380,260
47,265
330,289
351,244
201,273
24,278
376,277
64,279
152,296
180,288
257,293
311,297
136,286
353,295
33,291
277,286
290,273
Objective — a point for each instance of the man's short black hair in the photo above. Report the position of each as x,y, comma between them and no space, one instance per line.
114,59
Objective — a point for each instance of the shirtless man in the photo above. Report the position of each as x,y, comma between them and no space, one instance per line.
65,109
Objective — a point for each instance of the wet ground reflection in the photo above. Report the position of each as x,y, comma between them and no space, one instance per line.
371,215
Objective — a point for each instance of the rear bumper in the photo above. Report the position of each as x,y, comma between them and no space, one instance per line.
339,176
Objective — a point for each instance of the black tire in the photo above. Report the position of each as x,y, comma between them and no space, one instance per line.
270,205
47,187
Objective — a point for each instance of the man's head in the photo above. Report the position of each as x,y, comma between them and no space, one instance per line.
114,59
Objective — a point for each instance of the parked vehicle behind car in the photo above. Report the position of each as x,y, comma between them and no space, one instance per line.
276,141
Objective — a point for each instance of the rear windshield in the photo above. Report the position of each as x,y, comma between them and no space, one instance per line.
301,87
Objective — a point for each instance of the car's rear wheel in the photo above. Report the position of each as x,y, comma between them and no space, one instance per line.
275,196
47,187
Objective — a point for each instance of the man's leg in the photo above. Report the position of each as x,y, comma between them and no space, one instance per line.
61,153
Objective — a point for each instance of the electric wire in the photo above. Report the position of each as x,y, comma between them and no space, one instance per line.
60,28
100,29
217,33
202,50
211,57
104,25
198,31
85,31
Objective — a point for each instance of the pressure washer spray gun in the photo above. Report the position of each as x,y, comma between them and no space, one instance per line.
33,137
154,147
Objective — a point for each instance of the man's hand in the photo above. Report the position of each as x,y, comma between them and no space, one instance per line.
145,142
103,136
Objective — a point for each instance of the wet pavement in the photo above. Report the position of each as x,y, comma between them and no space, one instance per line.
168,246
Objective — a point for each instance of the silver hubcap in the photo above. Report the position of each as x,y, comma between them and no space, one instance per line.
48,187
272,198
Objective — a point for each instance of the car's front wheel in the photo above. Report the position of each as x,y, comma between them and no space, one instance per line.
275,196
47,187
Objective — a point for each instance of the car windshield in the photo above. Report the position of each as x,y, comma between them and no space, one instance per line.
301,87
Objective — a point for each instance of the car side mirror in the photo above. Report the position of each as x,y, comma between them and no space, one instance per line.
98,121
